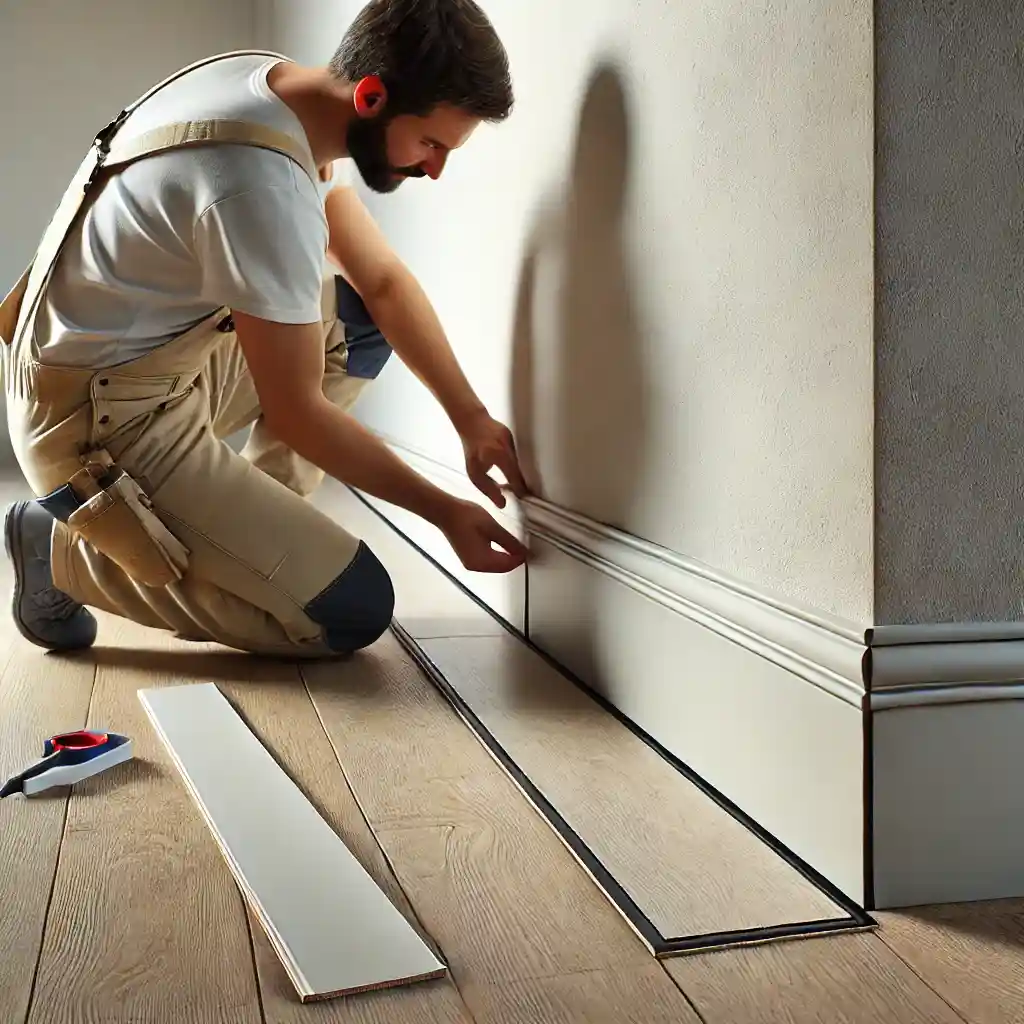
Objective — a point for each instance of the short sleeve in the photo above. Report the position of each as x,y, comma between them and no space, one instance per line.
262,252
342,174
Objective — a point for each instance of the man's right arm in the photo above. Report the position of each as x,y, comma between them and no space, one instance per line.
287,366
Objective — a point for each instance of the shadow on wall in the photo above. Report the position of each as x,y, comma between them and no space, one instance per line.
580,385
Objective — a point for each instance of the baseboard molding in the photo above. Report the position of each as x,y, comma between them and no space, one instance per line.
798,717
825,652
948,807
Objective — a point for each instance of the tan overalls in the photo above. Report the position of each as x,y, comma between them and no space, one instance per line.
158,520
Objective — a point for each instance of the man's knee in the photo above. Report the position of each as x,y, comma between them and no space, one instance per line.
355,609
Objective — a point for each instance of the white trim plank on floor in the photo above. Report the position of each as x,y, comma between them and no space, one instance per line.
334,929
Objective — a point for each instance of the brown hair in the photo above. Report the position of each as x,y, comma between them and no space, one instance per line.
429,52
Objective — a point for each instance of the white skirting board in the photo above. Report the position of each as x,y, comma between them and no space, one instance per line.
948,802
789,753
334,929
884,756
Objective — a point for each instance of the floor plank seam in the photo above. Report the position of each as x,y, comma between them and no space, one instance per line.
252,952
56,866
682,991
420,926
917,974
46,916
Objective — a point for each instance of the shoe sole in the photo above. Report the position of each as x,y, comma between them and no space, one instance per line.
12,531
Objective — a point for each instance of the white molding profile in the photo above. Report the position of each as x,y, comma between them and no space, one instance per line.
334,929
821,650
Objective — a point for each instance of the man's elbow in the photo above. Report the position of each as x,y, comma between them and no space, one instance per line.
387,290
294,423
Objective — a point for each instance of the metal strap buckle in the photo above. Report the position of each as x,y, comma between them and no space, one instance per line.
102,145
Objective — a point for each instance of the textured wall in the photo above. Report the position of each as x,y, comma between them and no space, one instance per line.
65,70
950,374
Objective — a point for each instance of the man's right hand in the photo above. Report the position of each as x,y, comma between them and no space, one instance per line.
472,531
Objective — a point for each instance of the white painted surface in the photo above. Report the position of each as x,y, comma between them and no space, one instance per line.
333,927
65,70
662,274
948,803
787,752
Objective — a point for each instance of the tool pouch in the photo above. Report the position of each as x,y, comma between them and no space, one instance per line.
117,518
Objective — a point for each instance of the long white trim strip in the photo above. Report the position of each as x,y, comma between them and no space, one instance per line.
817,654
944,633
838,656
826,651
334,929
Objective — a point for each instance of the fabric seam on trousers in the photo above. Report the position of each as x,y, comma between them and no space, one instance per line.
238,561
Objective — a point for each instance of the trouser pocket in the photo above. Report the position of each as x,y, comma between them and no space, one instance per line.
115,516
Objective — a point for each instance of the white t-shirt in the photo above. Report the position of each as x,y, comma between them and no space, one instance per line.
173,237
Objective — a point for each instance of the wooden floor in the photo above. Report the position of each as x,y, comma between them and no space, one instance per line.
116,907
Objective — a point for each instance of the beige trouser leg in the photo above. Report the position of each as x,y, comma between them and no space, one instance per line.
235,405
268,572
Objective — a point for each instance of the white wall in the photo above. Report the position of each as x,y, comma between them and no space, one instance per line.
66,69
680,245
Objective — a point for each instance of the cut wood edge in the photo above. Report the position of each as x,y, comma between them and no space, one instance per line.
304,989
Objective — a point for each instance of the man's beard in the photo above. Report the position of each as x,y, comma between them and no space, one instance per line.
368,148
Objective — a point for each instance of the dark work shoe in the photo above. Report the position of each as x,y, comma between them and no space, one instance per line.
43,614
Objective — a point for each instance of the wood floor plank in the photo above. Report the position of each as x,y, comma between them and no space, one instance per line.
689,865
639,995
971,953
839,979
146,923
40,695
427,602
471,853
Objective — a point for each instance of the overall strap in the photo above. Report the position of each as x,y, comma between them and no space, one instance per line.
109,152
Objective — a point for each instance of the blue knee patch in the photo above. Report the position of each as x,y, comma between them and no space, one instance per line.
356,608
60,503
368,352
368,349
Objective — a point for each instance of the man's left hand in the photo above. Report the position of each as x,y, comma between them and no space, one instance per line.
489,445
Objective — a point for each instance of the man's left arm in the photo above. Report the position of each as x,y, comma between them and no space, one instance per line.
406,318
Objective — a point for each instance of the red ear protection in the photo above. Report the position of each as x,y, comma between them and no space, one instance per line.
369,94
